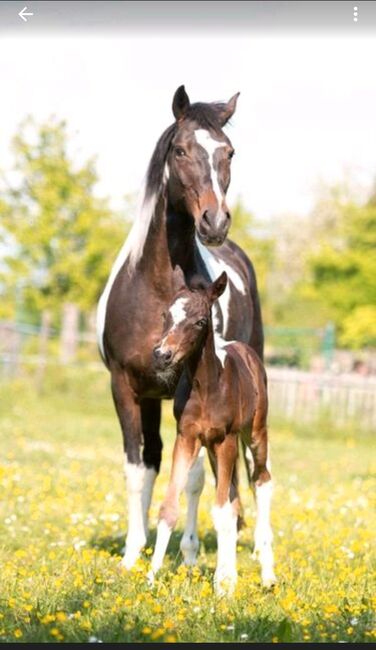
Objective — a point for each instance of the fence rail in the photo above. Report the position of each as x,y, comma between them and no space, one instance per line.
295,393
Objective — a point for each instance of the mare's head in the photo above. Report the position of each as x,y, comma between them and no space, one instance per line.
196,156
187,323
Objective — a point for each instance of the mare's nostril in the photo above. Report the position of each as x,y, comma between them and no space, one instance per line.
205,218
168,355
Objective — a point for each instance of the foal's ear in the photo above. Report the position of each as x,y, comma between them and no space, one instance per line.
180,103
216,289
178,279
225,111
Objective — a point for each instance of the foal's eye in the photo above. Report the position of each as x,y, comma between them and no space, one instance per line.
230,154
179,151
201,322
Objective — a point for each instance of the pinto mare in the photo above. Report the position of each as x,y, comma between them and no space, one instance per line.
221,395
183,212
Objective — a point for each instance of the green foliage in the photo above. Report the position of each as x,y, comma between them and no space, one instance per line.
60,235
343,271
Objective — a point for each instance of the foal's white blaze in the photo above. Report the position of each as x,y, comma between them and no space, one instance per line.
177,311
215,266
195,484
225,523
136,536
210,145
263,533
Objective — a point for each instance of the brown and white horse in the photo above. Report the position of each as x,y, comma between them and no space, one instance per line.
221,395
183,212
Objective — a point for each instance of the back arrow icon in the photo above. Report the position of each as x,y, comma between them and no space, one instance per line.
24,13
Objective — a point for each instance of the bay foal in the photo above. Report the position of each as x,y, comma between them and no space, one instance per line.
221,396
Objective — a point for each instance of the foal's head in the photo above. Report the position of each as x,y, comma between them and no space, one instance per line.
197,159
187,323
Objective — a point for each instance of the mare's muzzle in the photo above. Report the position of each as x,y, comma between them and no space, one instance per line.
213,227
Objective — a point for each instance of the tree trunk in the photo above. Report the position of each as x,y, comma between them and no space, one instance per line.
43,348
69,333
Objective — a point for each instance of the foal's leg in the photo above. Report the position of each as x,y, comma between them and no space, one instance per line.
152,453
185,451
225,516
262,485
129,414
195,484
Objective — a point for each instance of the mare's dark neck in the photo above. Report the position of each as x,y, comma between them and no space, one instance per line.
170,241
181,241
203,366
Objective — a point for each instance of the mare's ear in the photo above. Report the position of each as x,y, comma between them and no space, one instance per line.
178,279
215,290
225,111
180,103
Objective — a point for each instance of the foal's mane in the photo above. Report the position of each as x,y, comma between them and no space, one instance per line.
206,116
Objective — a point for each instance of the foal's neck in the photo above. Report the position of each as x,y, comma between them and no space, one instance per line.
203,366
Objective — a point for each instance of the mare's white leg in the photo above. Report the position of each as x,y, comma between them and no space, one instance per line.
147,492
136,537
195,484
225,523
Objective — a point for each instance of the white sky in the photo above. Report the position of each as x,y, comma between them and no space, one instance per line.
307,109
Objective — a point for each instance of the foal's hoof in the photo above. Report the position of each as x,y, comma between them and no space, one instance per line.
150,577
269,580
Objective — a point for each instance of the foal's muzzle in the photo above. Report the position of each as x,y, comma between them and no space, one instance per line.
162,359
213,227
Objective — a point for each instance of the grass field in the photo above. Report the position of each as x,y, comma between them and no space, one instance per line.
62,524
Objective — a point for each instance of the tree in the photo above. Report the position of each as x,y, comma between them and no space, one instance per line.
60,236
343,271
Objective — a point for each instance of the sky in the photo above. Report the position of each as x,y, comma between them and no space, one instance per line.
306,112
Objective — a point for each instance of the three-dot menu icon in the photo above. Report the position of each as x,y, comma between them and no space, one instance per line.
355,14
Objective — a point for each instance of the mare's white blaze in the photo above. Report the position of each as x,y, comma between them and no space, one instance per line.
163,538
225,524
195,484
210,145
177,311
136,536
263,533
215,267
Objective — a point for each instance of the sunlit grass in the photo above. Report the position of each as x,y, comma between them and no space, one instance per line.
62,525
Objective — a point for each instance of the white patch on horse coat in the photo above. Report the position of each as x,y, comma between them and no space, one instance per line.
195,484
263,532
136,536
210,145
131,250
177,311
215,267
225,524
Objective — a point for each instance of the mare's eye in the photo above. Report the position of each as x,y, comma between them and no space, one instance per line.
179,151
230,154
201,322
